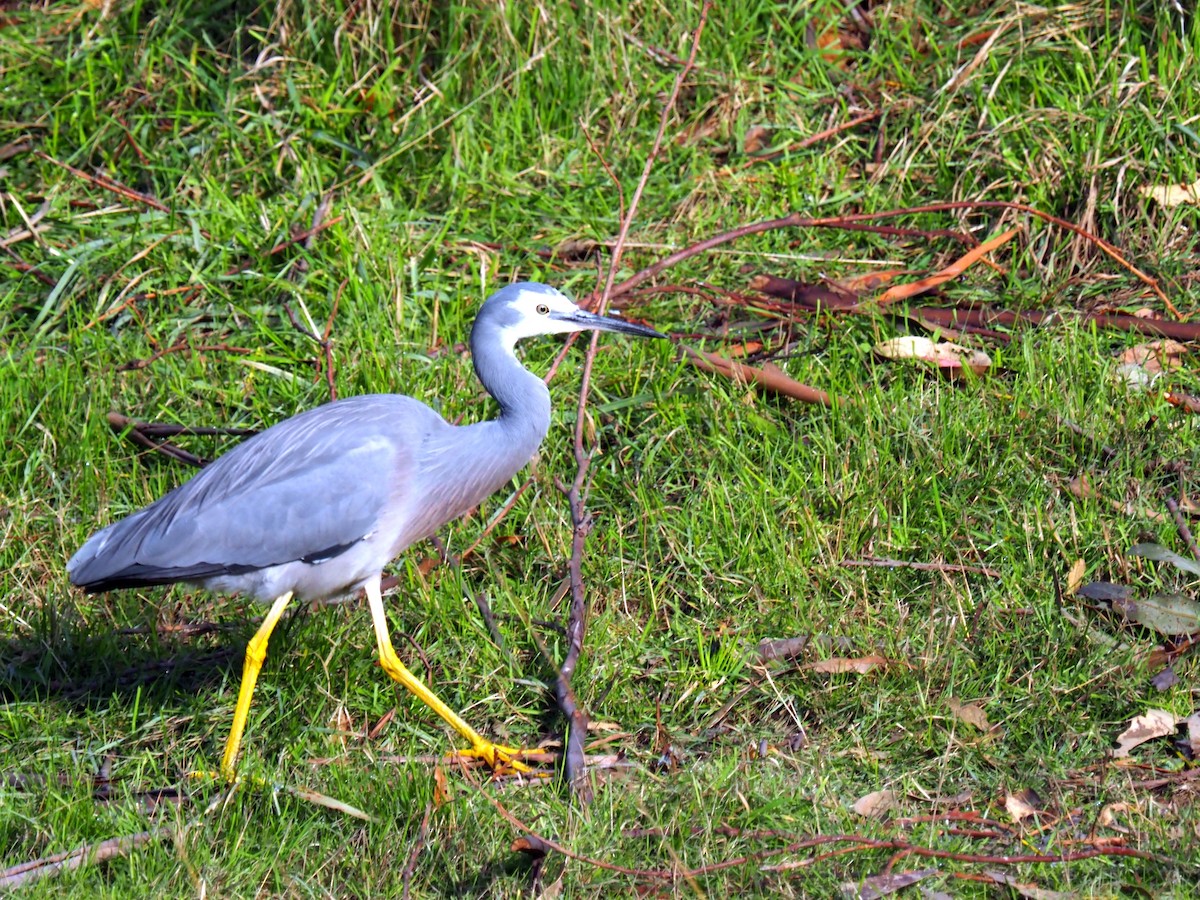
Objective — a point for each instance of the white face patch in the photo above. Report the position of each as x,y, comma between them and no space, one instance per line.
536,310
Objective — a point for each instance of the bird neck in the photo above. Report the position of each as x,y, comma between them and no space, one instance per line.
523,397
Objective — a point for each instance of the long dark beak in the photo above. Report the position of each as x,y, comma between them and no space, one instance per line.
583,319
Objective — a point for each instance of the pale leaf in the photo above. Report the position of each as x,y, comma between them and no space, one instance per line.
1155,723
875,804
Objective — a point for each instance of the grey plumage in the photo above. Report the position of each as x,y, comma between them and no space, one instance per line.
380,469
318,504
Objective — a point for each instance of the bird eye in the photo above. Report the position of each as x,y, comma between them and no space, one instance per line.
543,309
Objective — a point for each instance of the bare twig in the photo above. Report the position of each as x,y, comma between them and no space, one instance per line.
1181,525
24,873
574,768
814,138
417,846
108,184
149,436
875,561
795,220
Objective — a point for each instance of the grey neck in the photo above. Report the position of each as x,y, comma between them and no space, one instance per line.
523,397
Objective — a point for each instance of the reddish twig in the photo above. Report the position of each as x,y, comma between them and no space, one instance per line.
108,184
795,220
1181,525
574,767
879,562
23,873
813,138
151,436
418,844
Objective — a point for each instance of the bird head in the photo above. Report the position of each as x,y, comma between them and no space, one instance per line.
528,309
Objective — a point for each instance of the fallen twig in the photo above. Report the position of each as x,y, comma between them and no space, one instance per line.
813,138
795,220
108,184
574,770
146,435
24,873
768,376
413,854
1181,525
880,562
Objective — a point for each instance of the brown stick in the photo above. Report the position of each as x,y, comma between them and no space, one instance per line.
574,768
107,184
23,873
772,379
795,220
814,138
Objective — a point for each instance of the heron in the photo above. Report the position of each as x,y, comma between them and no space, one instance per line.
317,505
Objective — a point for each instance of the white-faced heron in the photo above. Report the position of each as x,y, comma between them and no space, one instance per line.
318,504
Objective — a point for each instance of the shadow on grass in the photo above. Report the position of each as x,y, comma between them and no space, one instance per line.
86,671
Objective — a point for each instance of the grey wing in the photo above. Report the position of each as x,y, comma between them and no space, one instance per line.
307,489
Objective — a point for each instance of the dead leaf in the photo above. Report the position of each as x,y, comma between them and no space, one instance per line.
1155,356
772,378
912,289
1155,723
340,724
1081,487
1165,613
782,648
1159,553
971,713
1193,734
1164,680
757,138
441,788
881,885
1022,804
840,665
949,358
875,804
1075,576
869,281
1105,591
1108,816
1171,195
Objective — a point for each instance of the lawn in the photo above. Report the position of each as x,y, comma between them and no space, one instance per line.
842,646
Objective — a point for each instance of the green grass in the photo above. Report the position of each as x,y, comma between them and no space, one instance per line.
723,515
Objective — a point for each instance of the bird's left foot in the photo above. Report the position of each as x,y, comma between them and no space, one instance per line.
500,759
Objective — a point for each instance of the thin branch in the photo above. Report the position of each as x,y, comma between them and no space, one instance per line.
795,220
574,769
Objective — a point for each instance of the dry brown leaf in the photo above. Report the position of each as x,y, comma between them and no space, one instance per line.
950,358
912,289
1081,487
839,665
441,788
1022,804
1108,816
875,804
340,724
758,137
1155,356
1193,727
869,281
971,713
1155,723
1170,195
1075,576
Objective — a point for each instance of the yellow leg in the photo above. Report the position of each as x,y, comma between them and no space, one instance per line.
256,652
495,755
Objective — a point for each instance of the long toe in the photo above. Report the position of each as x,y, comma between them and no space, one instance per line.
500,759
